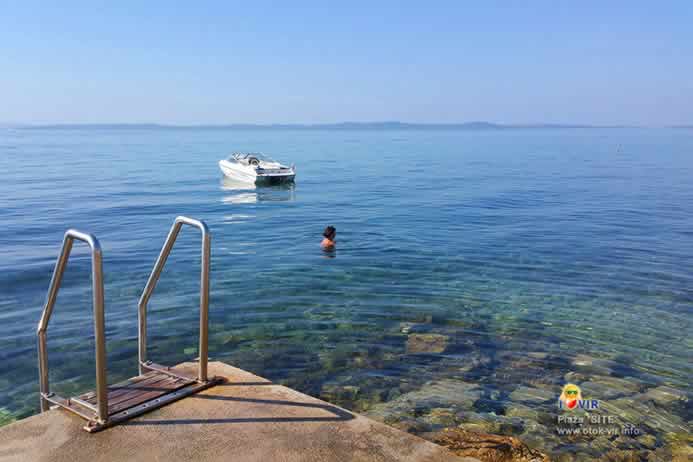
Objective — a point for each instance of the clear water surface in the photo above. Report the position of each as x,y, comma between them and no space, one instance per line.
476,271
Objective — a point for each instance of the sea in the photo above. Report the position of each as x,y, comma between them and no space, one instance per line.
476,273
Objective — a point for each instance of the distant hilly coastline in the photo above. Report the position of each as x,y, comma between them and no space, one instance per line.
388,125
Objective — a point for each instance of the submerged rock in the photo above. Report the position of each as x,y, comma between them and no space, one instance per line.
542,355
441,416
576,377
526,413
512,368
623,456
488,448
594,365
410,426
452,394
490,423
648,441
665,396
339,394
532,395
426,343
679,447
637,412
605,387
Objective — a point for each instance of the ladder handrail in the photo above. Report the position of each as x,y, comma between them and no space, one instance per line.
204,293
101,408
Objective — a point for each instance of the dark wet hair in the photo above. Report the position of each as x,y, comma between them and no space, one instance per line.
329,231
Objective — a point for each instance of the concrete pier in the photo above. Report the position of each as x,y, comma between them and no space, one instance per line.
245,419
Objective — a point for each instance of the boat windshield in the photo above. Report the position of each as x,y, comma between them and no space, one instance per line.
246,156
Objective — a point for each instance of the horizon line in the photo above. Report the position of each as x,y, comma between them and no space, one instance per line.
334,125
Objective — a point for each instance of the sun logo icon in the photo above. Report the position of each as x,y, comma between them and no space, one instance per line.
570,397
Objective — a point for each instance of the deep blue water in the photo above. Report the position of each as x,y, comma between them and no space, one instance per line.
528,253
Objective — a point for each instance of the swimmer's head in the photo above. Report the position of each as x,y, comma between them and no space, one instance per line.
329,232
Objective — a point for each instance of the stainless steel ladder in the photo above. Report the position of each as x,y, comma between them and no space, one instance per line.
156,385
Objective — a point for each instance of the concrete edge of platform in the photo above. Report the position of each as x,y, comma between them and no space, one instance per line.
247,418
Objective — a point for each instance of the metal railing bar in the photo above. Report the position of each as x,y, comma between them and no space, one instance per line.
204,293
150,366
81,402
62,402
99,327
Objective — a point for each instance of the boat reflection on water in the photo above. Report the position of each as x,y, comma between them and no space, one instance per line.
251,193
242,198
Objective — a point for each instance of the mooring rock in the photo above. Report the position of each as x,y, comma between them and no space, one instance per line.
488,448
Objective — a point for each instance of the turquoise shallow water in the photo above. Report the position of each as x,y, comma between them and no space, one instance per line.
488,266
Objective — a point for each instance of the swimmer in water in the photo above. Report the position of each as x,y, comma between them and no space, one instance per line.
329,242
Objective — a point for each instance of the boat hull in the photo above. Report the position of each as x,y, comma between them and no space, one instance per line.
249,175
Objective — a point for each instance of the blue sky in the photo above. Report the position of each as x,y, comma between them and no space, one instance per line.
613,62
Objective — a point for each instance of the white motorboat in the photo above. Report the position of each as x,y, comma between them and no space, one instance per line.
254,167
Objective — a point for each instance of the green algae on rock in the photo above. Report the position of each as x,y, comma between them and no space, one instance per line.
6,417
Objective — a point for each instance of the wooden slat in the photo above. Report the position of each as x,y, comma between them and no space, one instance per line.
146,385
153,386
124,383
90,396
150,405
118,389
139,398
138,390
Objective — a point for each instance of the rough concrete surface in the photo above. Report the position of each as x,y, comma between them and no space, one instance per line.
246,419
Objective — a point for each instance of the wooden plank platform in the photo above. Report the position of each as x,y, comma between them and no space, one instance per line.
133,397
137,390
